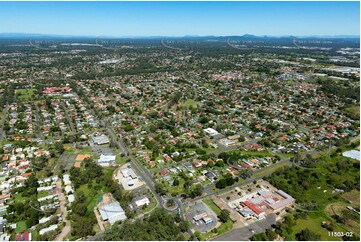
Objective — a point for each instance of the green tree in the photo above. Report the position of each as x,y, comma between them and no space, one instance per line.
308,235
224,215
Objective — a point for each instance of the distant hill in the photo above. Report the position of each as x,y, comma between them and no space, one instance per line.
187,37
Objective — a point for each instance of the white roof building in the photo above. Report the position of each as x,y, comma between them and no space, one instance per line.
48,188
106,159
71,198
141,201
353,154
128,172
68,189
66,179
99,140
48,229
211,131
112,212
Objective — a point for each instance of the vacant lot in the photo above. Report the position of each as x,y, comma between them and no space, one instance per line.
353,196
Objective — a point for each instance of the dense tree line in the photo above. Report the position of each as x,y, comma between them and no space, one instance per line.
340,90
158,226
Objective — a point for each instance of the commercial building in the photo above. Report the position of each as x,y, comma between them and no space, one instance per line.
107,159
100,140
211,131
128,172
112,212
204,217
353,154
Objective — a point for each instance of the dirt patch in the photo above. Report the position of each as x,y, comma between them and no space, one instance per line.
81,157
353,196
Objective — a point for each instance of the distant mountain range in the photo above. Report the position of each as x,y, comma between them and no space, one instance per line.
194,37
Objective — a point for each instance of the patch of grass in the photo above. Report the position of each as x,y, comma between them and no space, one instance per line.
223,228
86,149
43,194
336,209
189,102
92,197
120,160
287,155
150,207
212,205
269,170
21,226
256,153
313,222
354,110
24,94
177,189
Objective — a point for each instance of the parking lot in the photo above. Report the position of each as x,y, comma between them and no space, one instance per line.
196,209
243,234
100,149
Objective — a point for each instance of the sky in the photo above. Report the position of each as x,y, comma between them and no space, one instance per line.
181,18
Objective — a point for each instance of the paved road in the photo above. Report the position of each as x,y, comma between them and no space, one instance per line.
136,164
66,229
69,119
3,122
38,125
245,233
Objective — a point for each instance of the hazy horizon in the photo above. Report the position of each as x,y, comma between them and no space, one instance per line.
147,19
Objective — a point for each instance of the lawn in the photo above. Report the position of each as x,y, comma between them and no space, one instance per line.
21,226
43,194
286,155
188,103
269,170
150,207
120,160
336,209
24,94
223,228
212,205
313,222
251,153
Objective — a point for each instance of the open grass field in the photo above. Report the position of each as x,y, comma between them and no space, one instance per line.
313,222
177,189
252,153
187,103
269,170
354,110
92,197
336,209
21,226
24,94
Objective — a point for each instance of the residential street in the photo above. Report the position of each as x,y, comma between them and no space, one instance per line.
67,228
